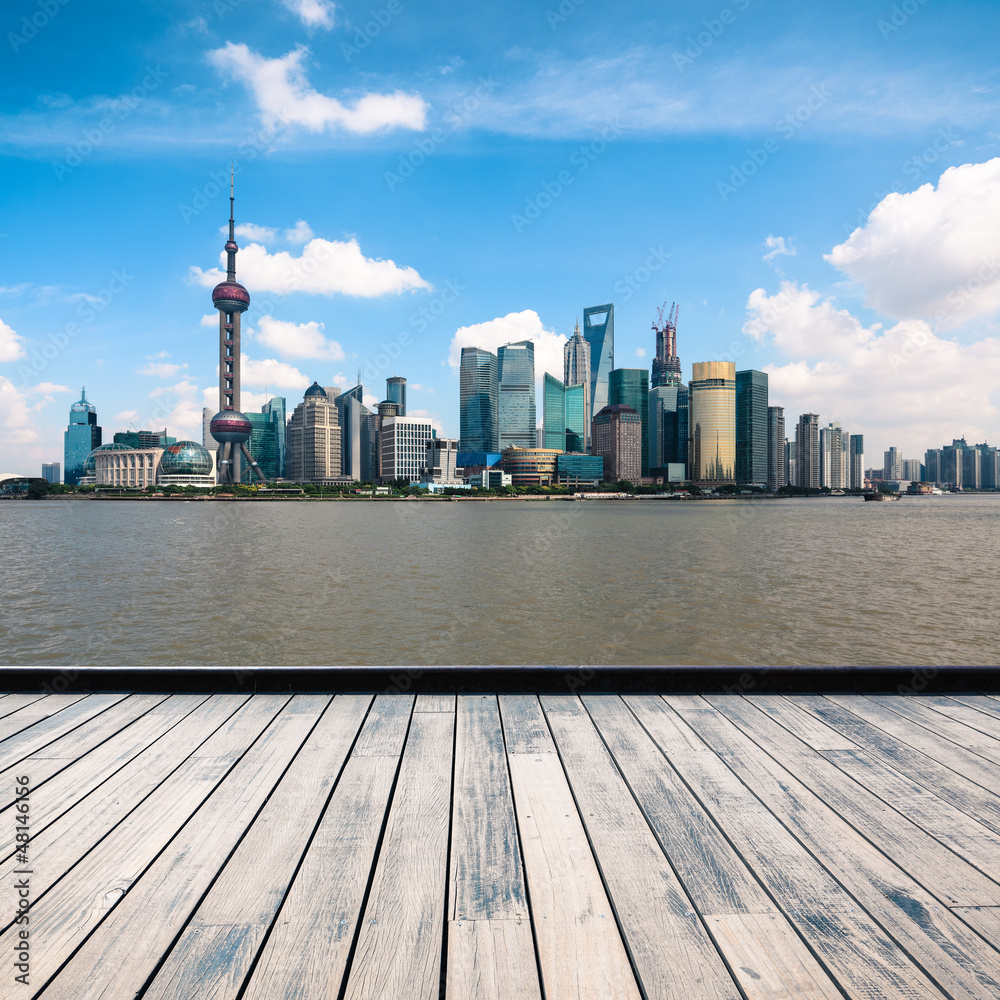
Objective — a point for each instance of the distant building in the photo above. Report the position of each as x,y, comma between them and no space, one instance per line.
579,470
356,429
790,471
666,367
892,466
441,462
403,447
516,400
599,333
277,409
712,423
857,452
491,479
80,438
834,458
913,470
972,478
616,435
313,438
183,463
630,387
563,410
479,393
530,466
807,451
144,439
265,432
952,464
932,465
751,427
576,371
50,472
775,447
395,390
989,466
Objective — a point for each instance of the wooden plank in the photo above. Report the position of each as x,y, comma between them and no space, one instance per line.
398,951
665,728
713,874
435,703
487,878
381,740
941,726
524,726
769,959
11,703
118,955
810,730
672,953
916,920
983,704
213,955
136,811
985,920
491,960
306,954
580,951
942,872
17,727
967,711
938,778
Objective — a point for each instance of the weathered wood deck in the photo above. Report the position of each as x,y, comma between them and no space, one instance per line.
517,846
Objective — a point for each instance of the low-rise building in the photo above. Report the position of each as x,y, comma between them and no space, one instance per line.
530,466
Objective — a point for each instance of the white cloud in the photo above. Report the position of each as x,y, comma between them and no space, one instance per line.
325,267
46,388
159,356
777,248
284,95
896,386
251,231
11,344
370,401
272,373
209,319
932,253
525,325
640,352
417,387
16,423
313,13
125,417
297,340
160,369
300,233
431,418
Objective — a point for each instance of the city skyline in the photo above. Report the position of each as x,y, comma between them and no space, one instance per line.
464,201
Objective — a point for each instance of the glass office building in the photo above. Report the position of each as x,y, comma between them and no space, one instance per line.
630,387
564,415
276,408
479,391
395,390
516,401
80,438
712,442
668,427
751,427
599,332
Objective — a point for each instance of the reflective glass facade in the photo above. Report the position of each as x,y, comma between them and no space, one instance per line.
577,435
479,391
553,413
530,466
712,442
395,389
630,387
599,332
263,445
276,408
516,403
576,469
751,427
80,438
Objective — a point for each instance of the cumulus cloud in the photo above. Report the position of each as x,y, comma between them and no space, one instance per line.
209,319
16,422
325,267
640,352
777,248
313,13
284,95
431,418
251,231
272,373
160,369
526,325
932,253
300,233
897,385
11,344
297,340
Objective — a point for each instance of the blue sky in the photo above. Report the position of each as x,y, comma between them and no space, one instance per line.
817,186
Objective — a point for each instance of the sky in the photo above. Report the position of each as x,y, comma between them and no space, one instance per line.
816,185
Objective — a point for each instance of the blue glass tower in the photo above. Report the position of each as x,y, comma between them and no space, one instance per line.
81,437
516,402
630,387
479,393
599,332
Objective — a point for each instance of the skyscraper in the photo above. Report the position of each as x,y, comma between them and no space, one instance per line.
666,364
599,333
314,438
276,408
553,413
712,426
229,427
892,464
617,438
807,451
80,438
932,465
395,390
576,372
355,433
857,462
630,387
751,427
516,401
834,458
775,447
50,472
479,391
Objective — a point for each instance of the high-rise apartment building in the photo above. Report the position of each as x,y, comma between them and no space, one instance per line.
775,447
617,437
857,453
313,438
834,458
630,387
892,465
807,451
403,447
50,472
913,469
576,371
479,394
599,332
712,422
80,438
791,476
932,465
989,466
516,400
751,427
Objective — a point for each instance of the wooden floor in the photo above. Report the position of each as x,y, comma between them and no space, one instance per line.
408,848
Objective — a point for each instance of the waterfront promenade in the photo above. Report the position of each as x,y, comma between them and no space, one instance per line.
360,845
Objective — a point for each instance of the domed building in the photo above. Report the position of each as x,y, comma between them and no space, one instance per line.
120,466
185,463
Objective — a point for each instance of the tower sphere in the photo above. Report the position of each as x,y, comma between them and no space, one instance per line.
230,297
230,427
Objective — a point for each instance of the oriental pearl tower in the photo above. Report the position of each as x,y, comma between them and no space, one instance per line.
229,426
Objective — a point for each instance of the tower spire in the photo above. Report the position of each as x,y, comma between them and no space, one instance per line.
231,246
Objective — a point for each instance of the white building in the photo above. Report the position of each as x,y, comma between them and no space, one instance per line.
441,462
403,447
